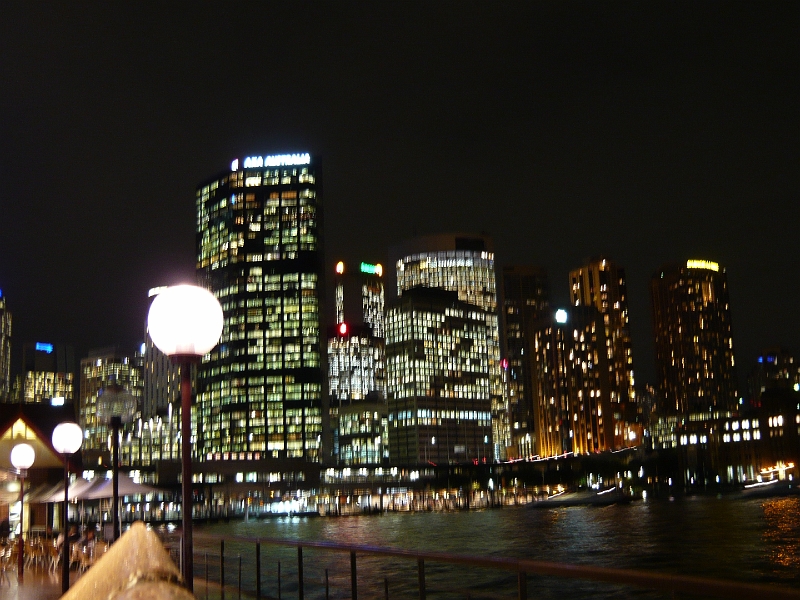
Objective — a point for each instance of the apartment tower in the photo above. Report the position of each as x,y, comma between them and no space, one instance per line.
694,344
601,283
526,298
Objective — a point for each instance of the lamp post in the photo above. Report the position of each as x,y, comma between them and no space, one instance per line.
67,440
22,457
185,323
115,406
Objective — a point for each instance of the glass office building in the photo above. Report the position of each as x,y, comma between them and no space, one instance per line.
461,263
260,392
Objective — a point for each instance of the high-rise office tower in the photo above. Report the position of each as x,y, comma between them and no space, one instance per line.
357,367
525,299
464,264
439,370
601,283
261,392
5,350
573,387
48,373
103,368
694,345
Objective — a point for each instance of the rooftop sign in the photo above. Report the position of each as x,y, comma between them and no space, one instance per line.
42,347
702,264
277,160
371,269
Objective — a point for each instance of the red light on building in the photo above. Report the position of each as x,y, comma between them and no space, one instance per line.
342,329
340,267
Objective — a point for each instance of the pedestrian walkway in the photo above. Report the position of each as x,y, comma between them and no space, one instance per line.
36,584
45,585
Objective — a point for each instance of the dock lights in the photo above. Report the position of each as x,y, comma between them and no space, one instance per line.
67,440
185,322
22,457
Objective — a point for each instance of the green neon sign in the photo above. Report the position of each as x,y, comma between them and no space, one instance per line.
371,269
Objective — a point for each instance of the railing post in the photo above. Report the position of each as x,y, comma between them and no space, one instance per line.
353,577
421,569
300,572
206,574
385,583
258,570
240,577
522,585
222,568
327,586
279,580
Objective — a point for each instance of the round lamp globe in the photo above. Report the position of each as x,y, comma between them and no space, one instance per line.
185,320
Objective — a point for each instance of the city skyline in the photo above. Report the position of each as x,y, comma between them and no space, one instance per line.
645,134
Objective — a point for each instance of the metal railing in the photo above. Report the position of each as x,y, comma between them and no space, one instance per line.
671,585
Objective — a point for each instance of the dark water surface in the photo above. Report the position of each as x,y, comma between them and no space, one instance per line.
755,541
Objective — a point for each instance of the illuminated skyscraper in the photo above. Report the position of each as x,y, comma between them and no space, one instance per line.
694,345
525,299
366,282
463,264
357,368
48,373
601,283
438,361
573,391
261,392
102,368
5,350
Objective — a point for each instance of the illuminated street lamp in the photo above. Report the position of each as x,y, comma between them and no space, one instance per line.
67,440
185,323
115,406
22,457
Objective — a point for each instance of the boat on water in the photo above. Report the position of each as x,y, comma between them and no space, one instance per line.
590,497
768,489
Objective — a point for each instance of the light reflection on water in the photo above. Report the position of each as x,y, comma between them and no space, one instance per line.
746,540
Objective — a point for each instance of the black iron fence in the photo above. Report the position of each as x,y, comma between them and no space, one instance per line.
263,568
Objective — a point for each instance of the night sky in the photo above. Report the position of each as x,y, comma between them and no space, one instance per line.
646,132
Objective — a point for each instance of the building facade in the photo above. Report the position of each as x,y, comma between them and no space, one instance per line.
464,264
357,367
161,376
48,374
261,393
573,412
101,369
775,369
439,378
694,343
601,283
526,298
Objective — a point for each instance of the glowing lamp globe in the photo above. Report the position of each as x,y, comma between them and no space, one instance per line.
22,456
185,320
67,438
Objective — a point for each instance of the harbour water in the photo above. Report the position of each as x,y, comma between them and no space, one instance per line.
754,541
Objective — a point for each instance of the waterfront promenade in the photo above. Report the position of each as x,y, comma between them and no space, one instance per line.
37,584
